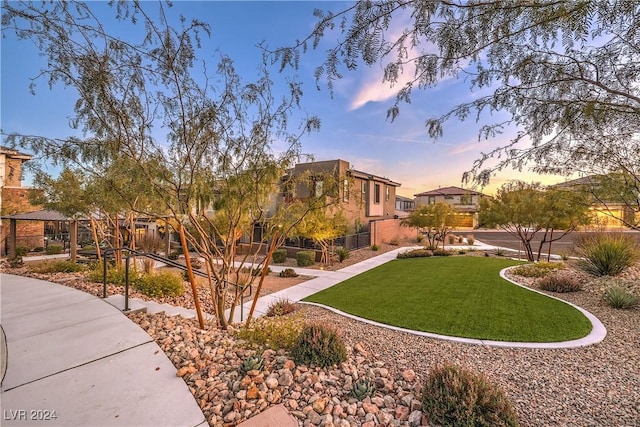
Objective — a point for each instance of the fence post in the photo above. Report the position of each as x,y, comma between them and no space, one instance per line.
126,283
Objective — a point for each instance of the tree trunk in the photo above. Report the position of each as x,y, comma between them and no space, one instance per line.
192,279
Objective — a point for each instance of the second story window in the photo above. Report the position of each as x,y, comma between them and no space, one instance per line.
345,190
387,193
376,194
318,188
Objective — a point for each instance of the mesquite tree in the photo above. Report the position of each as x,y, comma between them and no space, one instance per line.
566,73
198,136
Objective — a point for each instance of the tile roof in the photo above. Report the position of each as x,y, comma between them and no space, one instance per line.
449,191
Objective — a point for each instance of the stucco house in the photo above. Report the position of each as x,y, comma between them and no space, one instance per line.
364,196
607,214
465,202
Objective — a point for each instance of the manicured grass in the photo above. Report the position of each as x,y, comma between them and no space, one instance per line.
456,296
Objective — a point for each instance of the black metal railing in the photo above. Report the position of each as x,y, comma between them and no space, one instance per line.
108,254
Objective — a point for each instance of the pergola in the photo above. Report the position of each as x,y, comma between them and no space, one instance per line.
42,215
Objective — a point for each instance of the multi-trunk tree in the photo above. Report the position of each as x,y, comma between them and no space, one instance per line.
433,221
198,136
524,210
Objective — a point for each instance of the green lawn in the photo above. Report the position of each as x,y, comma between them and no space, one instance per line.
456,296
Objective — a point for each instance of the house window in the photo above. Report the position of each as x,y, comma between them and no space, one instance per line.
318,188
387,190
431,200
345,190
465,199
364,187
376,194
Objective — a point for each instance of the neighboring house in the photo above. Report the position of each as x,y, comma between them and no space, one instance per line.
606,212
14,199
405,204
364,196
465,202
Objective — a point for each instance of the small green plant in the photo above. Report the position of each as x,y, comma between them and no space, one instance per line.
161,284
38,249
460,239
21,250
452,239
416,253
394,242
272,332
620,298
564,256
280,308
606,254
539,269
174,255
375,247
320,345
54,249
288,272
61,267
470,240
252,363
279,256
255,272
420,238
363,388
559,281
452,396
462,252
499,252
342,253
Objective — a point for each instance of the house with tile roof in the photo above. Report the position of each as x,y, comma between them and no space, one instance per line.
465,202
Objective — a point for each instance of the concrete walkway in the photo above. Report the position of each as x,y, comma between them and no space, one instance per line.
74,360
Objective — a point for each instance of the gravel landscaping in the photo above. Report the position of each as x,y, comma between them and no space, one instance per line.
597,385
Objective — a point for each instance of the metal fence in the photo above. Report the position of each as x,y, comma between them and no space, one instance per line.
350,242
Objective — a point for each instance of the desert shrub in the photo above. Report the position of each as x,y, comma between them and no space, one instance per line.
305,258
416,253
606,254
452,239
115,276
148,265
15,262
419,238
452,396
621,298
343,253
60,267
394,242
559,281
54,249
161,284
21,250
363,388
150,243
462,252
470,240
539,269
288,272
375,247
174,255
272,332
499,252
38,249
252,363
441,252
279,256
280,308
320,345
196,263
255,272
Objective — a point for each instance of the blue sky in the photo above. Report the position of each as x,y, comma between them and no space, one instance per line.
354,125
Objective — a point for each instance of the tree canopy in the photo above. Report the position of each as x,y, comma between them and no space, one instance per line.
567,73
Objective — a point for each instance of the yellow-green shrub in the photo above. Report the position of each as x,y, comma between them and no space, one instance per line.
160,284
